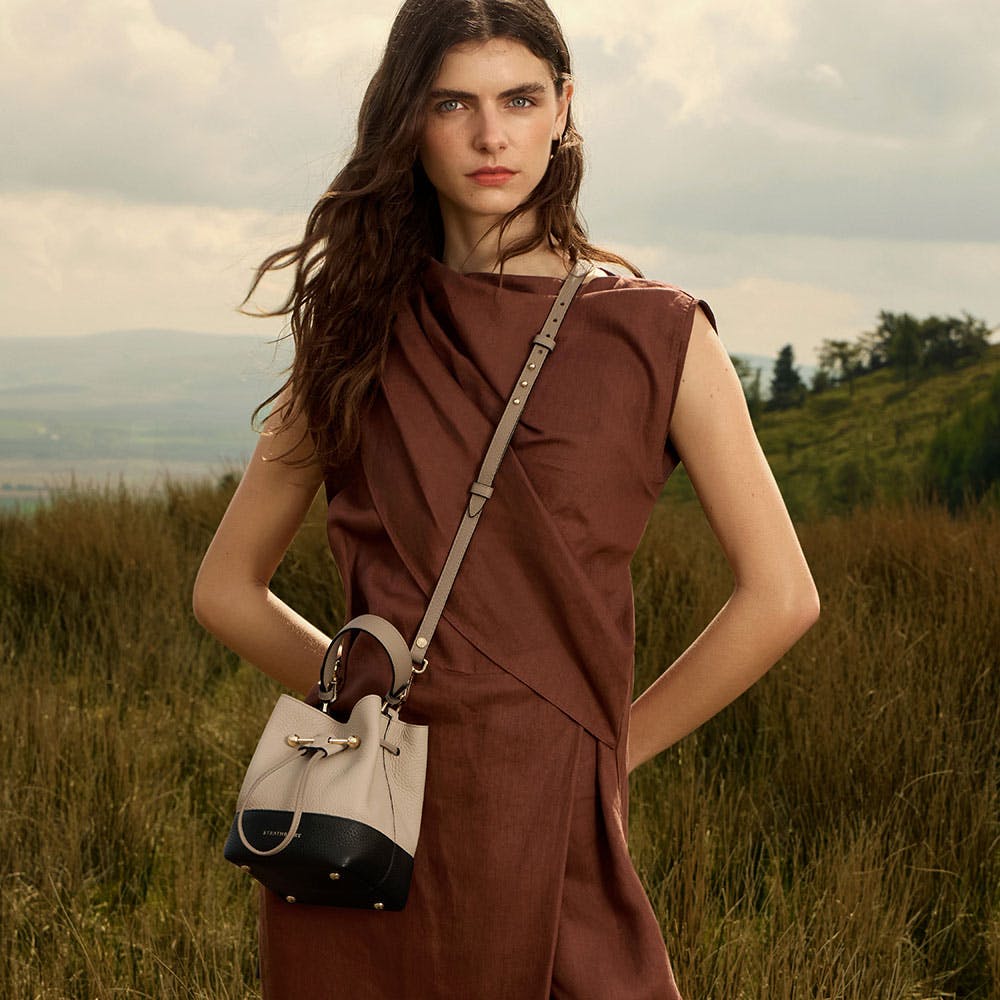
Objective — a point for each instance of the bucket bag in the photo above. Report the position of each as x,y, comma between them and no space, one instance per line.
329,811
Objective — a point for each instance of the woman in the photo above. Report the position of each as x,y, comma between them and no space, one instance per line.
424,272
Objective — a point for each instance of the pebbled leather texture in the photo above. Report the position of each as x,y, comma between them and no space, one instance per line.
369,785
392,642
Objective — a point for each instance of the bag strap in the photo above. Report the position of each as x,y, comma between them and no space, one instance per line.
405,665
543,343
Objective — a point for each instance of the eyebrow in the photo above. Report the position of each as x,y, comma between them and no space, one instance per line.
522,90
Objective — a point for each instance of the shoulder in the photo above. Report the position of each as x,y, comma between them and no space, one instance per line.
665,300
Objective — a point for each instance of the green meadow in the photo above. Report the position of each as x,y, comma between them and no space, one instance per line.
835,833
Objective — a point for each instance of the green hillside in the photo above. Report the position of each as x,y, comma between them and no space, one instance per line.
844,448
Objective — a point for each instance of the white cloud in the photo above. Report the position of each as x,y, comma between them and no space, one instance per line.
703,50
827,75
833,154
78,264
895,66
82,264
768,290
759,315
57,44
317,37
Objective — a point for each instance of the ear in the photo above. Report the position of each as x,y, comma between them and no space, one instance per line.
564,103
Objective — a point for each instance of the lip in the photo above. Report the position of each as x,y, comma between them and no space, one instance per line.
491,176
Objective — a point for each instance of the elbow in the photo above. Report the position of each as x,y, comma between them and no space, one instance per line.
801,607
208,602
811,607
223,600
201,603
787,605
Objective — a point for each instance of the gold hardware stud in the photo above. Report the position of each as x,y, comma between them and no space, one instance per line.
517,402
532,366
295,742
244,868
351,742
289,899
334,876
380,906
421,643
524,383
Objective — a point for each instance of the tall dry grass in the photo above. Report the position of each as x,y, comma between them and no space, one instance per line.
833,834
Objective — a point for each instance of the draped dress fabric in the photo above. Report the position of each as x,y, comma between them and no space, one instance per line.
523,888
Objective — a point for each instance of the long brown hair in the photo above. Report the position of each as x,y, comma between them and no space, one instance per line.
371,233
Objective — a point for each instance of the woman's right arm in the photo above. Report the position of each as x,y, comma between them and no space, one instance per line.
232,596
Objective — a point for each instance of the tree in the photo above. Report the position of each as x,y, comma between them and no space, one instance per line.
907,343
940,348
973,336
842,359
946,341
902,339
873,351
826,371
820,381
787,388
750,380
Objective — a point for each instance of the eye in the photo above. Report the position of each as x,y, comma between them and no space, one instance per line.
447,106
522,102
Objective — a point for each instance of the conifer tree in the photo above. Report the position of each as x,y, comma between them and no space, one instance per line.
787,388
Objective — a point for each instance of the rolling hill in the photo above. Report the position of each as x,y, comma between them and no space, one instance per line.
845,447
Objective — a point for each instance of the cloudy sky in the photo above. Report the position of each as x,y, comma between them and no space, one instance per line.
800,164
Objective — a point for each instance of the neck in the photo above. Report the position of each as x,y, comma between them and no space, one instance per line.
470,246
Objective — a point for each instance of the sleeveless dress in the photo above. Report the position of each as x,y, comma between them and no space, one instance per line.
523,888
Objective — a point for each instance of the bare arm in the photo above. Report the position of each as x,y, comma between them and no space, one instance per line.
232,596
774,600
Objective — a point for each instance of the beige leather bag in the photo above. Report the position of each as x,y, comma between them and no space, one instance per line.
329,812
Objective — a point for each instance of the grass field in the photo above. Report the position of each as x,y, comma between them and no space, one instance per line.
835,833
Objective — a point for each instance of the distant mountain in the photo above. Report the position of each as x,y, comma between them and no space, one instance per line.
136,368
160,395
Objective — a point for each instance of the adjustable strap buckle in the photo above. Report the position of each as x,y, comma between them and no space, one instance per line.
479,493
328,695
546,340
395,700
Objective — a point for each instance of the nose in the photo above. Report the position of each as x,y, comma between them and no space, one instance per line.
490,135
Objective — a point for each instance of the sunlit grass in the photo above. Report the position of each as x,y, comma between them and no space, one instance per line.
833,834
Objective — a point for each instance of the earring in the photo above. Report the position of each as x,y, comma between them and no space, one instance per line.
555,147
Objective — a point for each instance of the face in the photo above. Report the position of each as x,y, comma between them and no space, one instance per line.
487,136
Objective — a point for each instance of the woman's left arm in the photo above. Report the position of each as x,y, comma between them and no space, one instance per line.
774,600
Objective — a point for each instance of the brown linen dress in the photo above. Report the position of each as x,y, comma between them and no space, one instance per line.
523,888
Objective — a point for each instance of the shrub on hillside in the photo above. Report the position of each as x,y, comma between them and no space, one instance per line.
963,460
